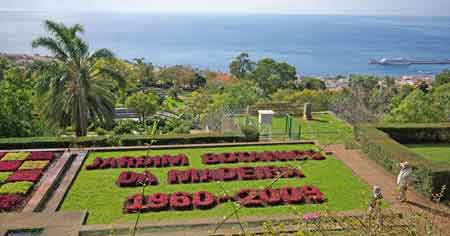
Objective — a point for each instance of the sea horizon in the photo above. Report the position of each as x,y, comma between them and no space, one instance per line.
316,44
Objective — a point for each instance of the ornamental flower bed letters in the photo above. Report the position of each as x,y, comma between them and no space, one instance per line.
132,179
236,157
231,174
139,162
203,200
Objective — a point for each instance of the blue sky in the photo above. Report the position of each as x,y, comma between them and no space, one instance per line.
390,7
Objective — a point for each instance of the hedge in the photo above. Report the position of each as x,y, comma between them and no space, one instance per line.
428,176
105,141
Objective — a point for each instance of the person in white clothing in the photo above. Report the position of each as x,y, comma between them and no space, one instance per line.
375,204
403,179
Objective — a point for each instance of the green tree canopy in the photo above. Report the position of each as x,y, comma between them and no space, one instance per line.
271,75
442,78
241,65
312,84
143,104
72,89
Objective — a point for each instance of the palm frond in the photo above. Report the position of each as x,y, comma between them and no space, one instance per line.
51,45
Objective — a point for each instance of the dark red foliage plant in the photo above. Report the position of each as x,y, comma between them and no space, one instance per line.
41,156
10,165
10,202
25,175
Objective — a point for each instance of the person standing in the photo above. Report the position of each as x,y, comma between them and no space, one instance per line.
403,179
375,205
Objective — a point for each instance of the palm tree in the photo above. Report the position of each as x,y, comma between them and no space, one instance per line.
73,89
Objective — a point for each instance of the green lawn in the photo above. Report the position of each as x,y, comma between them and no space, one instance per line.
96,190
438,152
324,127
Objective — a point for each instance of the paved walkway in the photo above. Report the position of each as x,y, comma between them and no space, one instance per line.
373,174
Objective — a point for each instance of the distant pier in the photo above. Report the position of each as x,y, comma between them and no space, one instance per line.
407,62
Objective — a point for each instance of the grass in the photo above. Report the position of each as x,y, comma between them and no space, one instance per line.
325,127
96,190
16,187
438,152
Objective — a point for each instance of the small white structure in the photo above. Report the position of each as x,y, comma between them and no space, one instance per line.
265,117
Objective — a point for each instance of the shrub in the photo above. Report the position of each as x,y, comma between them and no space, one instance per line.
2,154
31,165
139,162
10,202
126,127
104,141
16,188
428,176
41,156
25,175
9,165
4,176
132,179
15,156
266,156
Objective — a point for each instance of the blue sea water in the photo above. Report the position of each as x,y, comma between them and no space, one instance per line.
315,44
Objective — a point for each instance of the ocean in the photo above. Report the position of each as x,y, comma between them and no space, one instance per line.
314,44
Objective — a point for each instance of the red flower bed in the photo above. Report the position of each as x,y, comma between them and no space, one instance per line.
139,162
25,175
10,202
41,156
10,165
2,154
231,174
204,200
266,156
133,179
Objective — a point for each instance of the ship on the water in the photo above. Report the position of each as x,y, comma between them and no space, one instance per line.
407,62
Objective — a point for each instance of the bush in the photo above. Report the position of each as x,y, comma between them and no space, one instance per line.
103,141
126,127
16,188
100,131
15,156
428,176
31,165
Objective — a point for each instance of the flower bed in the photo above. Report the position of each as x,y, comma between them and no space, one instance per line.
14,156
10,202
231,174
9,165
203,200
4,176
139,162
34,165
19,172
133,179
25,175
267,156
16,188
41,156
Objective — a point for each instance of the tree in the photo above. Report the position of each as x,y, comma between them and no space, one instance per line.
241,65
240,95
72,89
16,117
145,72
415,108
271,75
441,102
442,78
143,104
312,84
178,76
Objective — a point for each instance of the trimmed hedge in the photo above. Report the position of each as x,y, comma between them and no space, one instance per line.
428,176
105,141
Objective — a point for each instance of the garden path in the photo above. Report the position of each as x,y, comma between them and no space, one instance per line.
373,174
